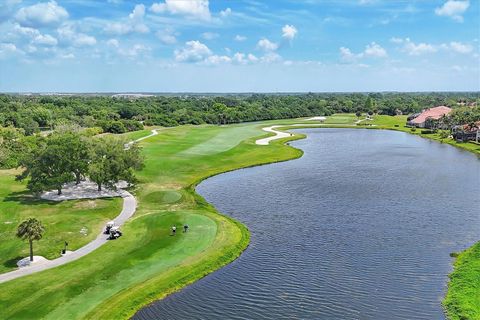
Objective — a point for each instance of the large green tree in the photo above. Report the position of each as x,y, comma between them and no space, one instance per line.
31,230
111,161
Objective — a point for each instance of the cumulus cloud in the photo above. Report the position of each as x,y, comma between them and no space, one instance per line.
210,35
289,32
414,49
240,38
113,43
133,24
372,50
346,55
41,14
68,35
375,50
193,51
267,45
193,8
226,12
453,9
46,40
459,47
167,36
134,51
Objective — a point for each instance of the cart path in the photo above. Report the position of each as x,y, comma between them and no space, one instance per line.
129,207
282,134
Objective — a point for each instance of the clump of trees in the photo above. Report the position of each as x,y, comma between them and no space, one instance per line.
66,157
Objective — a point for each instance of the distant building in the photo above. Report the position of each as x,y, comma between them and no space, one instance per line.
467,132
427,117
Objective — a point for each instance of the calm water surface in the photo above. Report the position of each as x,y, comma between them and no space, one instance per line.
360,227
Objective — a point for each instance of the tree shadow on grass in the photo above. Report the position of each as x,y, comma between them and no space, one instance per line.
27,198
12,263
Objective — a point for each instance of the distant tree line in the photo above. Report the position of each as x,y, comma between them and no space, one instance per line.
119,115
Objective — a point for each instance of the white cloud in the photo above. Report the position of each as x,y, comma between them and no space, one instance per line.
414,49
453,9
6,8
41,14
67,56
166,36
193,8
138,12
396,40
270,57
46,40
25,31
460,47
210,35
346,55
226,12
193,51
113,43
240,38
252,58
134,51
133,24
214,60
289,32
7,47
68,35
266,45
375,50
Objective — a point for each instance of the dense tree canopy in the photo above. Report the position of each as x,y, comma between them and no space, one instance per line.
118,115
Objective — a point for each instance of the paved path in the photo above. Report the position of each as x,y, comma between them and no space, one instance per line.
129,207
281,134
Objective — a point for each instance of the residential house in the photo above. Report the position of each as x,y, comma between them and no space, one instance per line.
428,118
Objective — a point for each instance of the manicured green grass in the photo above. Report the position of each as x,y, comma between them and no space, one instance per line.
147,263
463,297
77,222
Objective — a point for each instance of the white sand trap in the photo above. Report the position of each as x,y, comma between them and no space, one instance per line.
37,260
317,119
84,190
278,135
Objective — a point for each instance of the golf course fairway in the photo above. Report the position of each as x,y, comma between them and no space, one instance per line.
148,262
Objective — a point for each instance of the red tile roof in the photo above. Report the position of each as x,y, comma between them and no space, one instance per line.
434,113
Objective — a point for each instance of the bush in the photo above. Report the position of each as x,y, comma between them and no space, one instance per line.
396,126
413,129
427,131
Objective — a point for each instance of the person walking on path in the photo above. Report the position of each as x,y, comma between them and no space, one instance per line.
185,228
174,230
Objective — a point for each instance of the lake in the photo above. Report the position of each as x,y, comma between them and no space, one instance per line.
360,227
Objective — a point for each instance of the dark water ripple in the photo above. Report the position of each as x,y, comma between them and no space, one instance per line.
360,227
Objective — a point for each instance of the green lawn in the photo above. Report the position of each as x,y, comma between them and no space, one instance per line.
463,297
63,221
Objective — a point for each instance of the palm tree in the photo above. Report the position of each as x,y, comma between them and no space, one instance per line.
30,229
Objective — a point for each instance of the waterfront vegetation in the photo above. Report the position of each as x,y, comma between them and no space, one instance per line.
147,263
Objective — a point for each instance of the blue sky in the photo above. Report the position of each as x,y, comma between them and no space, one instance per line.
239,46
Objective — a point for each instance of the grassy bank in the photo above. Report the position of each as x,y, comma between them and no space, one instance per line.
463,297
